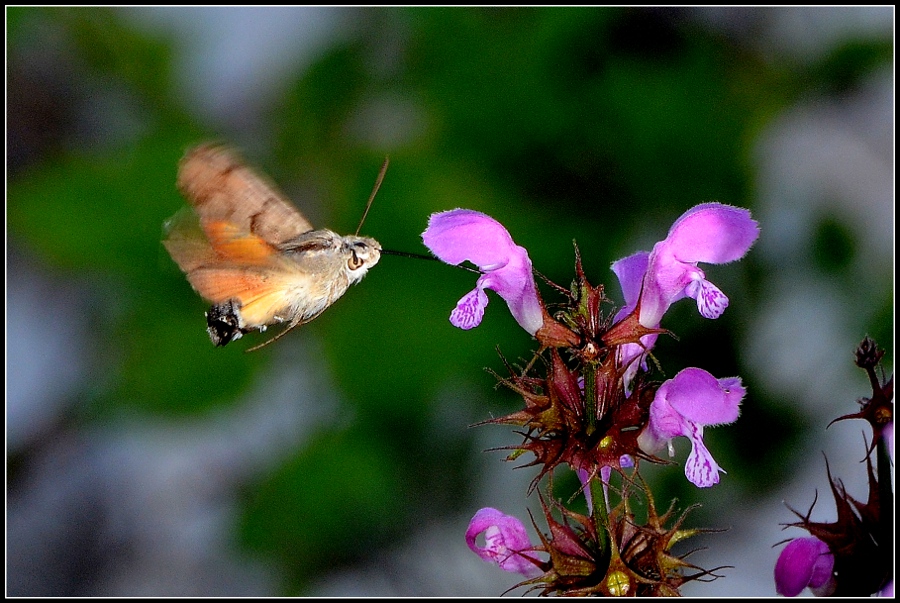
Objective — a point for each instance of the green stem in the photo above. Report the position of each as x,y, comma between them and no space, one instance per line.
600,515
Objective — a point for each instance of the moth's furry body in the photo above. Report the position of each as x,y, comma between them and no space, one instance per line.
252,254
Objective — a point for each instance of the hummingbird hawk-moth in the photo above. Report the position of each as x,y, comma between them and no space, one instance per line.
251,253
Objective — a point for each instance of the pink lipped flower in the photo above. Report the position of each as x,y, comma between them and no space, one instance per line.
506,542
804,562
463,234
683,406
712,233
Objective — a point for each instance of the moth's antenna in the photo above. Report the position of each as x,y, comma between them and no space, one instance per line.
419,256
378,180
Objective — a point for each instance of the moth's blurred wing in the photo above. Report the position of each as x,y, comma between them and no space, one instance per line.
186,242
222,188
223,262
216,242
263,296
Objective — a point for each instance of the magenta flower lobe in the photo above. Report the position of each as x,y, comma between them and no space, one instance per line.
682,407
712,233
462,234
505,541
803,562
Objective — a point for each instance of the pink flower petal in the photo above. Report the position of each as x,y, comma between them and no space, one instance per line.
713,233
469,310
803,562
462,234
711,302
701,469
701,398
505,541
630,272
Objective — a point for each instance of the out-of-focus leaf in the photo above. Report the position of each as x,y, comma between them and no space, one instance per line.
103,212
327,507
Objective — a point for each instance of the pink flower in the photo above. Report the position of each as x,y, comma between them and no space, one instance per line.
463,234
710,232
682,407
505,541
804,562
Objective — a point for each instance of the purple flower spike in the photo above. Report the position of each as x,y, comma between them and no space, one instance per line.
682,407
712,233
505,541
463,234
804,562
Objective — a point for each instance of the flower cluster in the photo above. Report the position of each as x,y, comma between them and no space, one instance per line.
595,409
852,555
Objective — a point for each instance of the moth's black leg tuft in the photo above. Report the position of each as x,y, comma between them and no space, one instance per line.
224,322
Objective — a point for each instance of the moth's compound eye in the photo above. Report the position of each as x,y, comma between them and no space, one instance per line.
354,262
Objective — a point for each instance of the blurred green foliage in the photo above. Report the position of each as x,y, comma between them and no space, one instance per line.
600,125
342,486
